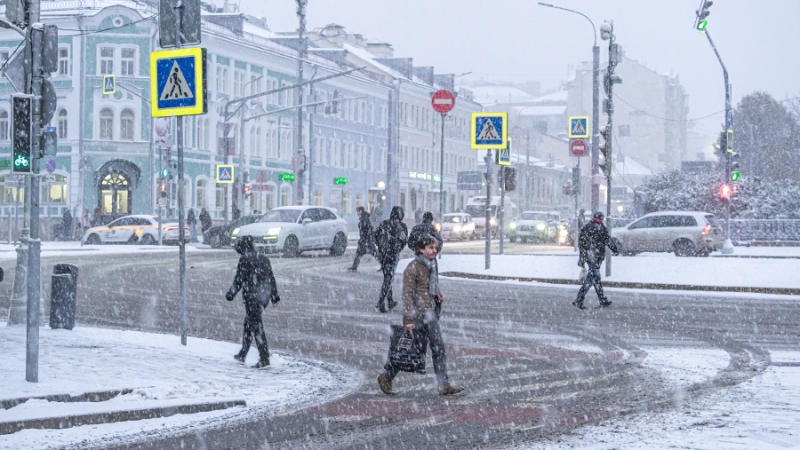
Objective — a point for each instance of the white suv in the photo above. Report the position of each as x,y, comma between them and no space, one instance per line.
295,229
686,233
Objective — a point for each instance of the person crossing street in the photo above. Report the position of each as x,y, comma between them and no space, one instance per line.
366,240
594,239
391,237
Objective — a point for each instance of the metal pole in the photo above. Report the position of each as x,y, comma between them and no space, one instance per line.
390,152
300,154
486,228
501,212
166,184
595,127
610,161
181,216
242,167
441,174
577,211
527,170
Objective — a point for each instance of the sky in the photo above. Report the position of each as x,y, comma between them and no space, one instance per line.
519,40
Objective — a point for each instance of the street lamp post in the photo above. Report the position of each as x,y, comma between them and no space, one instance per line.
595,108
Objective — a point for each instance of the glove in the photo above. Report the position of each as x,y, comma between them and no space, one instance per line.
276,299
229,297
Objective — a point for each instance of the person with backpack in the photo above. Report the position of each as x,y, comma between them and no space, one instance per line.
254,277
421,294
391,237
592,245
425,227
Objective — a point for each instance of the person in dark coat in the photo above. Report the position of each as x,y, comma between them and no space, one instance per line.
66,224
391,237
592,245
237,214
205,220
426,227
191,220
253,275
366,240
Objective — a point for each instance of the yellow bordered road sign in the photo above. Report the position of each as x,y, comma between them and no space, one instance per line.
504,155
109,84
578,127
225,173
489,130
178,80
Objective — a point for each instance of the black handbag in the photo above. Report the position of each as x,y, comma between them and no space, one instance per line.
407,350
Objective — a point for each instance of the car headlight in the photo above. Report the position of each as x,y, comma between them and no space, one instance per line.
457,229
235,231
438,226
492,221
513,225
273,231
563,233
540,227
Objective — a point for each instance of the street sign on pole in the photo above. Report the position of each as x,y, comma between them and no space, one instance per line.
729,141
504,155
443,101
469,181
577,147
489,130
109,84
50,166
179,87
168,32
225,173
578,127
15,70
22,133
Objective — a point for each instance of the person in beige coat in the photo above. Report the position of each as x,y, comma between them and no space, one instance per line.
420,296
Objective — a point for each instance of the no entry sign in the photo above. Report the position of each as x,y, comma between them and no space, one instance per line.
443,101
577,147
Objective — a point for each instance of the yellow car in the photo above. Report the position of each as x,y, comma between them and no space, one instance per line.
138,229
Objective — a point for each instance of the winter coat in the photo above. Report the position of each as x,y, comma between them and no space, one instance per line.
366,238
205,220
392,235
420,230
416,284
253,270
592,243
190,217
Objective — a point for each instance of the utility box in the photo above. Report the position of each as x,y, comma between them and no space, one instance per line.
63,291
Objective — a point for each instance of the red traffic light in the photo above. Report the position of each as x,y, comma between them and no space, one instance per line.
725,191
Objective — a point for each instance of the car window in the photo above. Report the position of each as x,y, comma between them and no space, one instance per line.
645,222
452,219
688,221
535,216
123,222
711,220
141,221
281,215
326,214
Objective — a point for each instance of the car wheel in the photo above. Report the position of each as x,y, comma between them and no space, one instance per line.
291,248
93,239
524,240
513,239
683,247
339,244
148,240
215,241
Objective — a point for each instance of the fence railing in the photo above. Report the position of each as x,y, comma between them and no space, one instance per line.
769,230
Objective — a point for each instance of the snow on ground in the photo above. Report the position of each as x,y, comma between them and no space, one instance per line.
74,248
761,413
160,371
660,268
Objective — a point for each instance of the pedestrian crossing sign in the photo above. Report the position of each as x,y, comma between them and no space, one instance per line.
578,127
504,155
489,130
109,84
178,80
224,173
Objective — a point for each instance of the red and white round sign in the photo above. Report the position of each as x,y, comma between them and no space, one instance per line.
443,101
577,147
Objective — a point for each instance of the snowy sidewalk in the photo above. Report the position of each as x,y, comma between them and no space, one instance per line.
663,270
147,384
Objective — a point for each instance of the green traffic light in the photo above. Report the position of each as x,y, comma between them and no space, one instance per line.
164,172
701,26
735,176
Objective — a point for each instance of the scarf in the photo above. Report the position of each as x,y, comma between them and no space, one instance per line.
433,287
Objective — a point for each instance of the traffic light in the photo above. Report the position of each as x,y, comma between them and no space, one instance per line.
566,188
735,190
248,189
163,189
734,166
725,192
701,23
511,179
165,173
22,130
605,149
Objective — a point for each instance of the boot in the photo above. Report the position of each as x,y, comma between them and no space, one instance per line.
449,389
578,304
392,304
380,308
239,358
261,365
386,385
605,302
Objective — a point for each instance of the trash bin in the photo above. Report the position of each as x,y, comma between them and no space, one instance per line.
62,296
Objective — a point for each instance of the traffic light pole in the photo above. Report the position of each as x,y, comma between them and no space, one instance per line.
487,226
501,211
595,121
609,162
181,201
441,177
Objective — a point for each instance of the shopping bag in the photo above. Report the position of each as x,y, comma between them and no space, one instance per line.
583,274
407,350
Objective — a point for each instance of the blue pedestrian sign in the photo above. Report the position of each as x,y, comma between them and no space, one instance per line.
578,127
179,84
225,173
109,84
489,130
504,155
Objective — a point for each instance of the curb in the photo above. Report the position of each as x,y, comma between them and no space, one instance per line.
115,416
628,285
100,396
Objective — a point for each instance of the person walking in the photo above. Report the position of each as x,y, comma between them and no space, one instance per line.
366,240
191,219
391,237
425,227
592,245
66,225
254,277
205,220
421,294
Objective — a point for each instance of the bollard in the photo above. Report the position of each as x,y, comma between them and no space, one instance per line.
62,296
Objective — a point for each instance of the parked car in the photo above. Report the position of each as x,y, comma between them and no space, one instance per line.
685,233
135,229
537,226
295,229
457,226
220,235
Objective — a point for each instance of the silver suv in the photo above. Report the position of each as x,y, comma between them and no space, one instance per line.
686,233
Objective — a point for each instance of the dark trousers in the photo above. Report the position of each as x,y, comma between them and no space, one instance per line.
254,329
388,267
430,328
592,279
361,251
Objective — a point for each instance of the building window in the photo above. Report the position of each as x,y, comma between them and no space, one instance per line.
286,195
238,83
200,142
222,80
200,196
9,195
62,124
3,125
255,84
317,198
359,200
55,192
63,61
346,203
127,61
106,60
126,125
4,55
106,124
270,197
219,198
